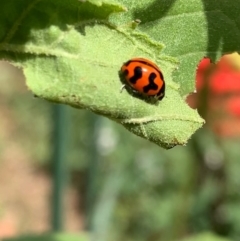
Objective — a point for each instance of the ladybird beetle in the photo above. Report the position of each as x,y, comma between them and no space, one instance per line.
143,76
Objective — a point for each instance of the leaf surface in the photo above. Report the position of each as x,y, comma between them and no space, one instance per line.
70,53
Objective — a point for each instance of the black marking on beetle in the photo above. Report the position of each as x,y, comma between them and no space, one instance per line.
161,75
137,75
151,85
140,61
125,72
127,63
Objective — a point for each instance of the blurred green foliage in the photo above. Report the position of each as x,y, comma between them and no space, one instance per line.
52,237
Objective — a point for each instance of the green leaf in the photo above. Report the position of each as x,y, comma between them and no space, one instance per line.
51,237
189,29
100,2
71,54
